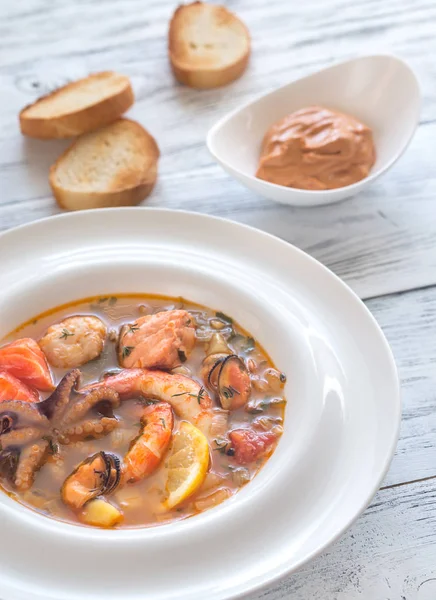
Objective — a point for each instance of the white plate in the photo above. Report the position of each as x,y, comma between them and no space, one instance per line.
342,416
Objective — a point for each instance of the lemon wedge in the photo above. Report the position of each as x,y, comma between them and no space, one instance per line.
187,463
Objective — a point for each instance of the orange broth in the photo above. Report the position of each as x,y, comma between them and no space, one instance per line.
141,503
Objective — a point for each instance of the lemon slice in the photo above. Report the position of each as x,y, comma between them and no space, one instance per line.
187,464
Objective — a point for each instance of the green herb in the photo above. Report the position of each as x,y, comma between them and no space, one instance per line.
199,396
188,322
146,401
223,317
229,392
65,334
138,424
112,301
163,423
182,356
53,446
102,300
127,351
132,328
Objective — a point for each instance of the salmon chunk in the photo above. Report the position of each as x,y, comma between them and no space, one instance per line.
24,360
12,388
164,340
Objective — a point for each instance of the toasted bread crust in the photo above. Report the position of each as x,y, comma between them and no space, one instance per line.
127,187
201,72
76,122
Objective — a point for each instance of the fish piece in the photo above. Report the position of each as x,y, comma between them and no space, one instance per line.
12,388
25,360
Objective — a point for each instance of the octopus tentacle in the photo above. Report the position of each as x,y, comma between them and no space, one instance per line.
82,406
20,437
29,431
23,413
53,406
31,459
91,428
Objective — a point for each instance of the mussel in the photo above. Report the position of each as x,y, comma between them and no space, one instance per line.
8,463
97,475
226,374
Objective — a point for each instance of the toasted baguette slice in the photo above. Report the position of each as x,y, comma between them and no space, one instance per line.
208,45
114,166
78,107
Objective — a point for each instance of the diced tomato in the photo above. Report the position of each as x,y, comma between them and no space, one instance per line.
250,445
12,388
25,360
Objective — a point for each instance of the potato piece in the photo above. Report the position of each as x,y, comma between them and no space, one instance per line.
101,514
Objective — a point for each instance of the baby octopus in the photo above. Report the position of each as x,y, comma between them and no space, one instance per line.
30,431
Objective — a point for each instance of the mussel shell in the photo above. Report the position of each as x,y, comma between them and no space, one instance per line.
212,378
109,476
8,463
231,395
113,469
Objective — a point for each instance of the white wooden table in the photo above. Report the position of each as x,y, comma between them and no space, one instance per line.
382,243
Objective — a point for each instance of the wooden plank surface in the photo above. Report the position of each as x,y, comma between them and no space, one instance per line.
390,227
373,561
382,241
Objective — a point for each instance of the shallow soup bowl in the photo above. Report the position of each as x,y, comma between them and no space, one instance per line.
380,91
341,421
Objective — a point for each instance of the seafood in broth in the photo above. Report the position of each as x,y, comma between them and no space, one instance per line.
132,411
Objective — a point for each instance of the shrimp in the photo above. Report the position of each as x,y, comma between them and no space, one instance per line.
147,450
164,340
24,360
188,398
12,388
73,342
103,472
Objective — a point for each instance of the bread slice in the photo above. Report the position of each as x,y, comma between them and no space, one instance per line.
78,107
208,45
114,166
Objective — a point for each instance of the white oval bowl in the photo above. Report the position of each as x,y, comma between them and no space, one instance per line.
342,416
381,91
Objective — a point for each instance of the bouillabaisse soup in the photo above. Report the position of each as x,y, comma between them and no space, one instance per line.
132,411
